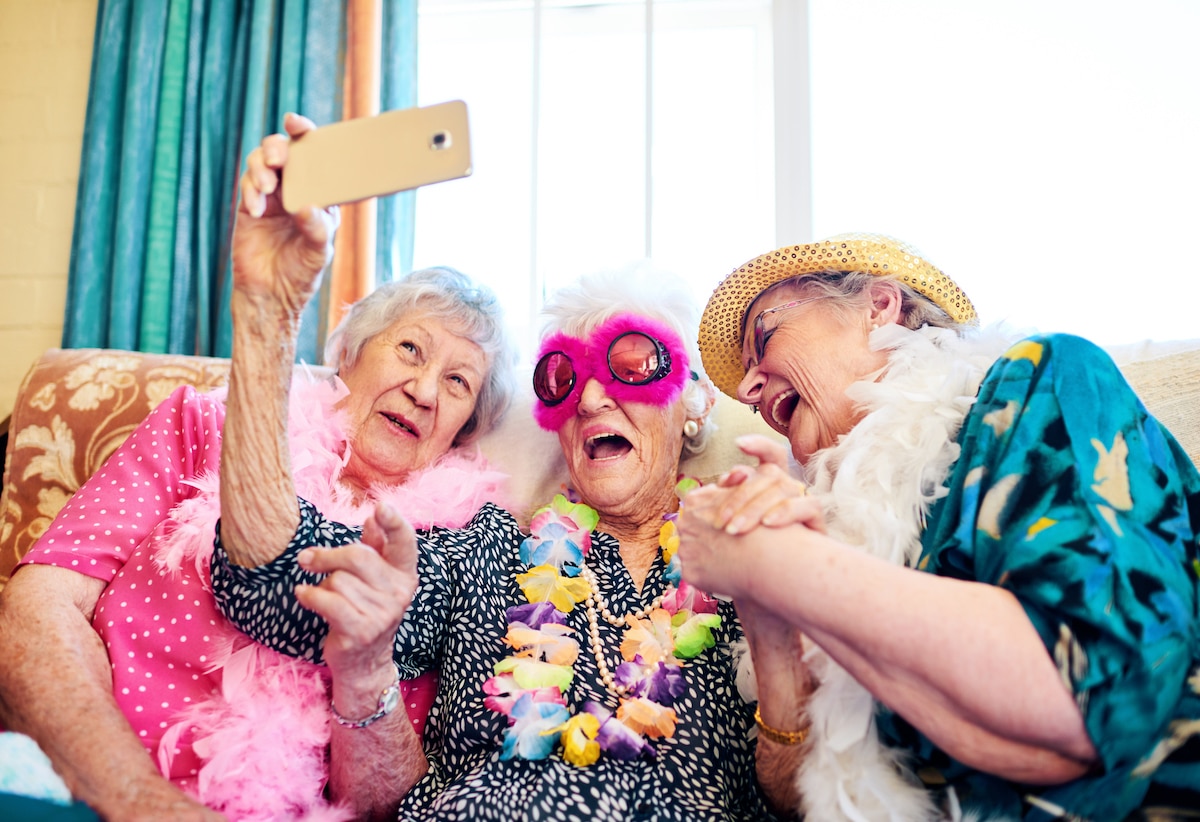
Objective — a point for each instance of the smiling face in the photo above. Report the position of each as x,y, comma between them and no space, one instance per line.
814,352
623,456
412,389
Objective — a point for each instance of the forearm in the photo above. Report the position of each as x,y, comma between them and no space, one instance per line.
959,660
372,768
995,737
258,498
56,686
784,688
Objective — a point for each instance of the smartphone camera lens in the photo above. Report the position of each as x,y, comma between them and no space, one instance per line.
440,141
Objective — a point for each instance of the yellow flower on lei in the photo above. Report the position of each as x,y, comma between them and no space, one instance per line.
545,584
668,538
579,738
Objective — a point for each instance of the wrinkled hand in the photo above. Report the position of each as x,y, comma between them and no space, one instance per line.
278,255
369,588
725,529
765,495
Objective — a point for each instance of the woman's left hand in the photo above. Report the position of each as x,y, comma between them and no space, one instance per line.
365,595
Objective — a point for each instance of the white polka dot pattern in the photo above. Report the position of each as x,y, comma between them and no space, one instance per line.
154,628
157,626
457,619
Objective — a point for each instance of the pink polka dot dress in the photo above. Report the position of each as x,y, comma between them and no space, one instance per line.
203,698
156,630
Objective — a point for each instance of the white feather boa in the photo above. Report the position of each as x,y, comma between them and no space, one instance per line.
877,484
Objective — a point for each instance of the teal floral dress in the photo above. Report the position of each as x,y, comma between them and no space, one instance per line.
1071,496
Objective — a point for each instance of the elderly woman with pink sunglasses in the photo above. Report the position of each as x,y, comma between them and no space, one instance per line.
580,679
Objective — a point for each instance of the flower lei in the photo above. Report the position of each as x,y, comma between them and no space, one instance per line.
529,686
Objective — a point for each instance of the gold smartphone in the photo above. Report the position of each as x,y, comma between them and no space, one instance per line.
373,156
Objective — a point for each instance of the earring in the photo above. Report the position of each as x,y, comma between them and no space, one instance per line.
874,326
691,428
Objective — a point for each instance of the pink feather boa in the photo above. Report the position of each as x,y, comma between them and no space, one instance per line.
263,737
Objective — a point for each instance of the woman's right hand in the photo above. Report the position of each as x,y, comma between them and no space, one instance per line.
278,255
765,494
365,595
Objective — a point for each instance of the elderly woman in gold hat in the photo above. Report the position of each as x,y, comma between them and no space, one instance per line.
989,544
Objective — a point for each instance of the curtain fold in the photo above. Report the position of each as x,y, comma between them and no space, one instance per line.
396,216
178,97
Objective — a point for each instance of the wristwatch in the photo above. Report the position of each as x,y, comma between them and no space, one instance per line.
389,698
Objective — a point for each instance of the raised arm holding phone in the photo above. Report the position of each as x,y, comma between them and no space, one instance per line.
195,715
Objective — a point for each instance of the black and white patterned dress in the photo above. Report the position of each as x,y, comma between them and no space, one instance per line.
456,624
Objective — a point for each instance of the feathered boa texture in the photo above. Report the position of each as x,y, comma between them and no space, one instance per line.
878,483
263,738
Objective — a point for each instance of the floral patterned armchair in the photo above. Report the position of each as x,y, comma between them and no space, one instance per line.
74,408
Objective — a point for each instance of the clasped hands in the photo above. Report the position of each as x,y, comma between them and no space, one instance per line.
726,528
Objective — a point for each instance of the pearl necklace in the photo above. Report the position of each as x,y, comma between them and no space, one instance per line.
595,607
529,686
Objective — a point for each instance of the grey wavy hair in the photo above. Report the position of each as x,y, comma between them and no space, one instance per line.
469,308
578,308
845,290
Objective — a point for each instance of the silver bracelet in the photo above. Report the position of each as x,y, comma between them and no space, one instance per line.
389,698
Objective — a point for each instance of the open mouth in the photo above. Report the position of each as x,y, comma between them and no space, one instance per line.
606,447
402,424
782,409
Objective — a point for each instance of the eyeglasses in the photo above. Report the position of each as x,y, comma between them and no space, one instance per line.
634,358
762,335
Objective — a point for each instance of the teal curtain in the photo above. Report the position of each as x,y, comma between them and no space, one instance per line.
395,218
180,93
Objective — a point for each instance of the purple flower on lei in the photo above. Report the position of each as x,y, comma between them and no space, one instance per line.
535,614
661,683
615,737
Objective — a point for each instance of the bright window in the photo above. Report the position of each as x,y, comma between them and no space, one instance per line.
578,171
1043,152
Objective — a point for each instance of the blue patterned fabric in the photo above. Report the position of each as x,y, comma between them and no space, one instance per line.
1071,496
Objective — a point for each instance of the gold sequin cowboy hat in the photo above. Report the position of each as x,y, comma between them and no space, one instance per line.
721,324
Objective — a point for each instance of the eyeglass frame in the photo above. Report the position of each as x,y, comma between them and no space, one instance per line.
759,330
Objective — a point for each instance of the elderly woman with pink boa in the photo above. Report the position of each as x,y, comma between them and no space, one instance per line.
119,650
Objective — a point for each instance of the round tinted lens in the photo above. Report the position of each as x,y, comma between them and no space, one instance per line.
553,378
635,359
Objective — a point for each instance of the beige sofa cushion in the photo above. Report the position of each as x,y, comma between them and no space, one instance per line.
1170,388
75,407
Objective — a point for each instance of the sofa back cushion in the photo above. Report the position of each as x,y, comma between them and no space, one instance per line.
75,407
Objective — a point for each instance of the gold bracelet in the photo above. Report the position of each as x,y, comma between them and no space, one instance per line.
777,736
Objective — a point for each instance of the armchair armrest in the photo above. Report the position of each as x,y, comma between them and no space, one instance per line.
73,409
